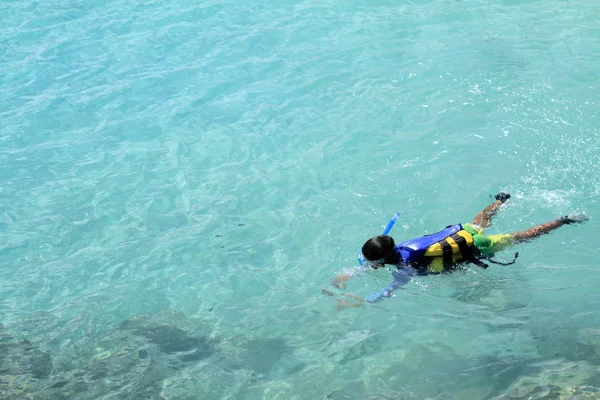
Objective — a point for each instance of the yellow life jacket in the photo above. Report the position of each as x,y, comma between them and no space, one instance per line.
440,250
443,250
449,251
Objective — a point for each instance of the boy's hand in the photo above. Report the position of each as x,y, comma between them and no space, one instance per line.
502,197
340,281
348,304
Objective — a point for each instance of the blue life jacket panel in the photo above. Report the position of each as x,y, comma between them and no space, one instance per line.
413,250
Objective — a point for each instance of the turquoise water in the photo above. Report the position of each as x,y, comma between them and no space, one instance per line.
180,180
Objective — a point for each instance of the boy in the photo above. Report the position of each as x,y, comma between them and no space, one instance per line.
444,250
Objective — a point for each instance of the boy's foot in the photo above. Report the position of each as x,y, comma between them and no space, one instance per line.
572,219
502,197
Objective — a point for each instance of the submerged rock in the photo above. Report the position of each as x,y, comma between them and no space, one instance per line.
146,357
548,392
170,339
552,392
129,363
260,356
590,337
244,365
23,358
582,393
22,364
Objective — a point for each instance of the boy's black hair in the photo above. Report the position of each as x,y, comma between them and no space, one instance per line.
381,247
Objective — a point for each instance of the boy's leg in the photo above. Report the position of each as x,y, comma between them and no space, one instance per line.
484,218
547,227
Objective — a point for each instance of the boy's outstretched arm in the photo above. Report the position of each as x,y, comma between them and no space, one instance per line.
401,278
340,280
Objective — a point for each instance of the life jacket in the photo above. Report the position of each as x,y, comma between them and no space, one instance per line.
440,251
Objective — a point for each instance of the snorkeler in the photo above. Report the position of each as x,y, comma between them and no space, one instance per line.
445,250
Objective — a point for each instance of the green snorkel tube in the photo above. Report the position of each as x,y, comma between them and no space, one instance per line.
388,228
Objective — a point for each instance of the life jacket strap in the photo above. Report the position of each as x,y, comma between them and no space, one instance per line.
471,257
462,243
503,263
447,249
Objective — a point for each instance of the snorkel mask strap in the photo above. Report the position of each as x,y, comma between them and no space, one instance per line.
361,258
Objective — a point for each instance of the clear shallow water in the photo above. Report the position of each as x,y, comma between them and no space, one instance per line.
212,165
